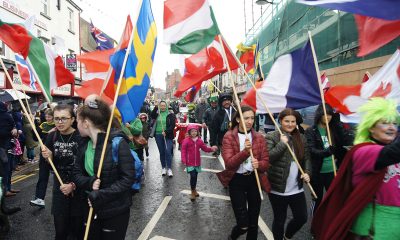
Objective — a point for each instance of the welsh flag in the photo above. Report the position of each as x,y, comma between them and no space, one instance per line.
204,65
15,37
49,67
189,25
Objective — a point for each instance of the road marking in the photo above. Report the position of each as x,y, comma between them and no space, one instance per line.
210,195
263,227
206,156
161,238
207,170
23,177
221,161
156,217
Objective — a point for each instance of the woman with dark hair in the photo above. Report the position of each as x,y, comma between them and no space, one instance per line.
239,172
284,175
62,147
321,151
110,195
164,125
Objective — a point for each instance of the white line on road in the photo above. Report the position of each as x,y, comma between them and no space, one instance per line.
207,170
161,238
156,217
221,161
206,156
263,227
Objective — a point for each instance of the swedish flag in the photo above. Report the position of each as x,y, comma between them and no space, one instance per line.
136,77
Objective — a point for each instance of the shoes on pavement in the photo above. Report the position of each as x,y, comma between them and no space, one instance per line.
10,194
170,173
192,196
38,202
15,190
196,193
164,172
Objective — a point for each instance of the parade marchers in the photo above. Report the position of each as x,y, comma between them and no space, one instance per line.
75,139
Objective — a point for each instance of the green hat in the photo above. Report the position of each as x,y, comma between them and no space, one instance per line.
213,99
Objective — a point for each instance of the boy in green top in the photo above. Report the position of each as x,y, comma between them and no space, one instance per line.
134,129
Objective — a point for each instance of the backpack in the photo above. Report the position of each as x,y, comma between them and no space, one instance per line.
139,171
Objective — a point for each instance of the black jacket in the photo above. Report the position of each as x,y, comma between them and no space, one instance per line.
209,115
6,126
217,122
114,196
315,145
170,122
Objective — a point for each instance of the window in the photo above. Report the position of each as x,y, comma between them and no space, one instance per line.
2,49
71,20
45,9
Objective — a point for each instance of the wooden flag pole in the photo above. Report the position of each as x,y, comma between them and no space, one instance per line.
22,87
276,126
31,122
210,82
240,110
103,151
321,91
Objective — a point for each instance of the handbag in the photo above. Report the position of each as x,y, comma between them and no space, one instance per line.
139,140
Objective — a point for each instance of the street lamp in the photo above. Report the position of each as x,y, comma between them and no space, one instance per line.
263,2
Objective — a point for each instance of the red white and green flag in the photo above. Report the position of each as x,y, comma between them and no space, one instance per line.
48,66
204,65
16,37
189,25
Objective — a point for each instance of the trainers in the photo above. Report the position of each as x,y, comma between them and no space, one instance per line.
170,173
38,202
164,172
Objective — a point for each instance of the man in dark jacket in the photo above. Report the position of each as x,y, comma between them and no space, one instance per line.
208,118
223,118
199,113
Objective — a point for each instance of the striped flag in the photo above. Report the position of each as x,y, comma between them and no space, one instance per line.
25,72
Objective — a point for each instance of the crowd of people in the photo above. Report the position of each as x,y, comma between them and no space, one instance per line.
353,187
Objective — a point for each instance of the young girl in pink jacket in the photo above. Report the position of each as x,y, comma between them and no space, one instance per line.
190,156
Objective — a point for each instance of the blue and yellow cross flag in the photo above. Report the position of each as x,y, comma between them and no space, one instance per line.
136,78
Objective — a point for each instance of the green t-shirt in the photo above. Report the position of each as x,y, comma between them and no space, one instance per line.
89,159
161,122
326,162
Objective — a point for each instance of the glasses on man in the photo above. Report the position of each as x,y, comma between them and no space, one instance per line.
61,119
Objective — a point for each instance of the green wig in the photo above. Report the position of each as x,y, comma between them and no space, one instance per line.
374,110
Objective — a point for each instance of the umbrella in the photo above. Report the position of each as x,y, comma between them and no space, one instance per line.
8,95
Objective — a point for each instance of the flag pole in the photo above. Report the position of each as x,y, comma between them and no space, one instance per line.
210,82
240,110
103,151
322,99
31,122
276,126
22,87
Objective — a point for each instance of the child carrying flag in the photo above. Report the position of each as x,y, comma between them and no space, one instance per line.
190,156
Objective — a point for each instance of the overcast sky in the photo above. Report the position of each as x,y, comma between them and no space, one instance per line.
111,19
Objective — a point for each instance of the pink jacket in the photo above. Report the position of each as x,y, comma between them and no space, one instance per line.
190,151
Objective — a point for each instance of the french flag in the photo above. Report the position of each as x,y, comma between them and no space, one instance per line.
291,83
384,9
25,72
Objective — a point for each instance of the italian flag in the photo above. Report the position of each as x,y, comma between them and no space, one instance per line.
189,25
48,66
16,37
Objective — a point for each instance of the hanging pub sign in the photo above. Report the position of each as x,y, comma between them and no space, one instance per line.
71,62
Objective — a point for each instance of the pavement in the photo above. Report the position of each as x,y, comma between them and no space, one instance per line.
161,210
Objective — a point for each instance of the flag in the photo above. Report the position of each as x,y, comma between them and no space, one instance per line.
250,98
49,67
191,94
136,77
25,72
189,25
384,83
325,82
257,65
204,65
103,40
16,37
374,33
366,77
96,63
291,83
246,56
384,9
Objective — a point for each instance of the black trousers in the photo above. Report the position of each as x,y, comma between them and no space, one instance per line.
246,203
111,228
44,173
297,204
193,179
319,183
68,227
213,137
140,152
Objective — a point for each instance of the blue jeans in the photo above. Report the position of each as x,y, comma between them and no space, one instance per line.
30,153
165,151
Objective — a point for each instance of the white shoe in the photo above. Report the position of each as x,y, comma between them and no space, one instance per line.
164,172
38,202
170,173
